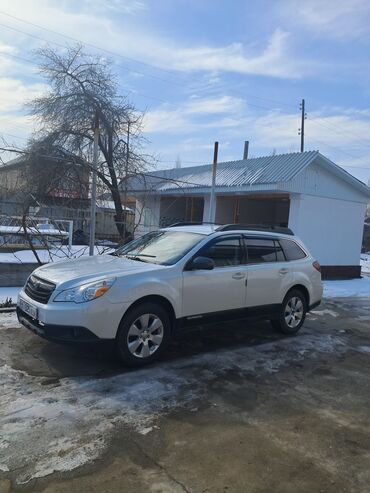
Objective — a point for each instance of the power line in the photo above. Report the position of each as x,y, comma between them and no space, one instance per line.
337,131
181,80
13,136
180,83
344,152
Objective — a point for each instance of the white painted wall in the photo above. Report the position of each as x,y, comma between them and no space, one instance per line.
207,201
147,215
315,180
332,229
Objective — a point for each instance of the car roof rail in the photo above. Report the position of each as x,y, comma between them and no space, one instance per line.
191,223
272,228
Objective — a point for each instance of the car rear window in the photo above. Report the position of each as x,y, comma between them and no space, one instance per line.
291,250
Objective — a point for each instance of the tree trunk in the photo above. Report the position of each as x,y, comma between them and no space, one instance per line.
29,239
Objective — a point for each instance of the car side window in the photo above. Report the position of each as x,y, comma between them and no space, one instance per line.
260,250
280,257
291,250
225,252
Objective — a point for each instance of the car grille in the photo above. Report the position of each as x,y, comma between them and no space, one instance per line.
39,289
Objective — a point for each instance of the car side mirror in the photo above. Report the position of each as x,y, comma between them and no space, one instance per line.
202,263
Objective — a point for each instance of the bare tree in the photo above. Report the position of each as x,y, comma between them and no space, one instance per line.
80,86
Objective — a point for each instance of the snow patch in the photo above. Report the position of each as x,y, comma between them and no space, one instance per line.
56,254
364,349
332,313
8,320
347,288
365,263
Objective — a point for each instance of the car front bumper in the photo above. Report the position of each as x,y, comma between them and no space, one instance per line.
98,319
57,333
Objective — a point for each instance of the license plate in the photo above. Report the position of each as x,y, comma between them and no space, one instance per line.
28,308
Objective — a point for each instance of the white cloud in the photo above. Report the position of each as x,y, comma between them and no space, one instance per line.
116,6
334,18
14,94
274,60
130,39
340,133
185,117
222,104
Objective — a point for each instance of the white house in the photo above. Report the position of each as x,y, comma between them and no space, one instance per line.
322,203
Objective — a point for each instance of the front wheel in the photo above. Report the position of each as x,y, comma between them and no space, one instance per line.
143,334
292,314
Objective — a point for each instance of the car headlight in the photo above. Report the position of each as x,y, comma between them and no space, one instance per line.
86,292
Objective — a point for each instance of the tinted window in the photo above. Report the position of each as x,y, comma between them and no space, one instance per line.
292,250
279,252
260,251
224,252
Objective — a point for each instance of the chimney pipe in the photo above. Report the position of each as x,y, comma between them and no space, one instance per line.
246,148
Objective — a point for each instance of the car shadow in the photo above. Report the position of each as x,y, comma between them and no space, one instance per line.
99,360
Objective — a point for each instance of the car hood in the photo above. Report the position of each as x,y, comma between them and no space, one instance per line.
90,268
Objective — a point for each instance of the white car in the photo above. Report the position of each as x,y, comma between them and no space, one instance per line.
170,279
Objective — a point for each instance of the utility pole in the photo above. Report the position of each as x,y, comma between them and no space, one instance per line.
303,118
93,184
212,202
125,183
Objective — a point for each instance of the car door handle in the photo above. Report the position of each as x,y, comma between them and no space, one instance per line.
283,271
238,275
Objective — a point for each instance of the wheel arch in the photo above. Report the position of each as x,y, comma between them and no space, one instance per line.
154,298
304,291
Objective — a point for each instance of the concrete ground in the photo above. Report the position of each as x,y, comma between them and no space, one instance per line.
232,408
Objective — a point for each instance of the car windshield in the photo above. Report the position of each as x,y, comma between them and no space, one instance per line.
160,247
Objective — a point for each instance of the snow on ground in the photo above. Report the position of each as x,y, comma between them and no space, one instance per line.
9,293
53,255
365,263
69,423
7,320
346,288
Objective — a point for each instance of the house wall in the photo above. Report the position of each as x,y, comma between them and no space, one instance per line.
315,180
331,228
147,215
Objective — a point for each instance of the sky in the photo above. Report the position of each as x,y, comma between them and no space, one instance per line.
207,70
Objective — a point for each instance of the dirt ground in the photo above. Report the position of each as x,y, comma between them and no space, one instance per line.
232,408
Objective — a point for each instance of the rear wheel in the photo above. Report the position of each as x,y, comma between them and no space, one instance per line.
292,314
143,334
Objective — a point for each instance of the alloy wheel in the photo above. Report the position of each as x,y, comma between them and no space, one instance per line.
145,335
294,311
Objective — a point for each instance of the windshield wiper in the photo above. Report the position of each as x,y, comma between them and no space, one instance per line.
143,255
137,257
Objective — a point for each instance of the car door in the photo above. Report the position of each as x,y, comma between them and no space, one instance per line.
269,274
223,288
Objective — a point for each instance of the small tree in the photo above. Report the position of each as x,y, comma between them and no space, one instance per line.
80,86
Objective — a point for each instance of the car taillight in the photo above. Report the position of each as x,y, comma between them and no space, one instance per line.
317,265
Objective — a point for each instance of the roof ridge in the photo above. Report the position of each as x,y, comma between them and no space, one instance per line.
313,152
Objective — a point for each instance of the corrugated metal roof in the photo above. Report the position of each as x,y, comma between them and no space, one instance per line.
245,172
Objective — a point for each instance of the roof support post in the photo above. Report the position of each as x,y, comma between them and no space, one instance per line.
212,205
246,148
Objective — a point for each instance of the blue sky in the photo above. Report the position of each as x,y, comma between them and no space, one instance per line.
207,70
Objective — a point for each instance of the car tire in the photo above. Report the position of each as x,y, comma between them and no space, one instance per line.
143,334
292,313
